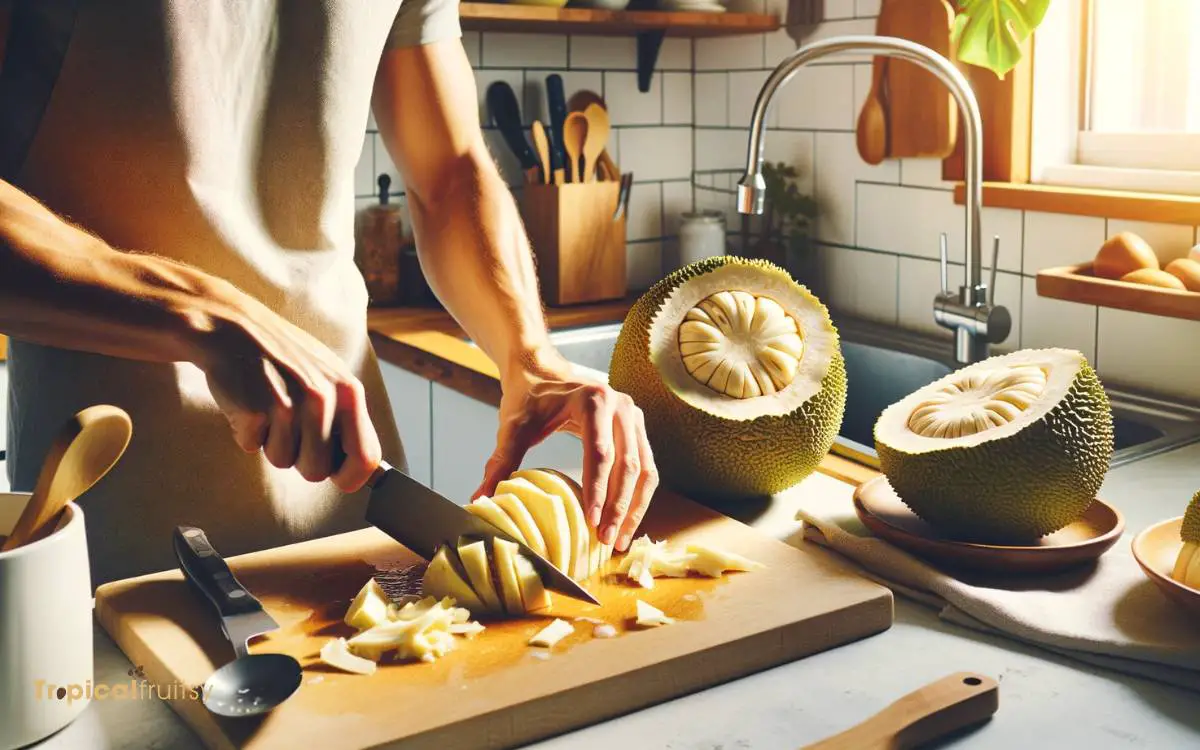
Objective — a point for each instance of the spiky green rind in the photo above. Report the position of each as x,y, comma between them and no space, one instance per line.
707,456
1190,530
1017,489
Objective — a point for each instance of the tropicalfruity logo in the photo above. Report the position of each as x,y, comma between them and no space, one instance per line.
138,687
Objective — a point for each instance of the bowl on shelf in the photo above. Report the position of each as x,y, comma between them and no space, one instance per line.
1156,549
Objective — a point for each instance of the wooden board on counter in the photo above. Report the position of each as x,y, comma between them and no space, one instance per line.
495,691
921,117
1078,284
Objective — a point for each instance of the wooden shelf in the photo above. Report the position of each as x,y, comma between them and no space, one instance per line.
649,26
1078,284
539,20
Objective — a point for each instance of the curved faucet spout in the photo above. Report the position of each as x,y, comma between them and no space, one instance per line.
751,187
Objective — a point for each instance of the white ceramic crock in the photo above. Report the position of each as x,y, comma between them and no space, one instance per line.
45,628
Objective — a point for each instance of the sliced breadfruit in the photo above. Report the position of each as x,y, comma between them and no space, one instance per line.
520,515
534,596
556,485
474,557
598,553
504,554
550,516
650,617
552,634
445,577
714,563
369,607
487,509
337,654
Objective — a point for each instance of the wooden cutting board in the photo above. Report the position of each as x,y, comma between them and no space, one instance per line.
494,691
921,116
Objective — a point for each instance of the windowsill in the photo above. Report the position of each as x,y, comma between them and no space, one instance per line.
1163,208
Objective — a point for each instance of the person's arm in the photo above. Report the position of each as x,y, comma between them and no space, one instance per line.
473,249
282,390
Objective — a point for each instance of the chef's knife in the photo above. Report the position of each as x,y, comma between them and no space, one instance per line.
505,113
423,520
556,102
242,616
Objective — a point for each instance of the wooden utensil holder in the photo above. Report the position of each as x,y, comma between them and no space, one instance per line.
579,246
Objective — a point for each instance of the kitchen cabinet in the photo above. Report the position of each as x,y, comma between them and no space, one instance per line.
409,395
464,436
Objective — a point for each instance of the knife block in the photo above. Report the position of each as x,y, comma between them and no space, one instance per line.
579,246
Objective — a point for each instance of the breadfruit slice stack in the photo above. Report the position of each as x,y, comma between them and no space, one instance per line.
739,372
543,510
1005,451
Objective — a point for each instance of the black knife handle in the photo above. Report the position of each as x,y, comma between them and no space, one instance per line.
556,102
206,569
505,113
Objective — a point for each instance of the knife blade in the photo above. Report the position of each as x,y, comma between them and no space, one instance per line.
506,116
242,616
423,520
556,102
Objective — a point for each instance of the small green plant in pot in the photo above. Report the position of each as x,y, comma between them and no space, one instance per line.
786,223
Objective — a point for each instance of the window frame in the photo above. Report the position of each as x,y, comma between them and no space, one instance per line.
1066,153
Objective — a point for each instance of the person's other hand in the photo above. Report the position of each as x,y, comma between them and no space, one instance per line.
287,394
619,475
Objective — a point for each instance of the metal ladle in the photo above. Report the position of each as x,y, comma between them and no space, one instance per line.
251,684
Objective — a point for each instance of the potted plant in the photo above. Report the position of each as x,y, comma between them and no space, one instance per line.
788,214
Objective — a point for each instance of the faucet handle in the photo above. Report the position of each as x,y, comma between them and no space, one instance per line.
991,293
944,264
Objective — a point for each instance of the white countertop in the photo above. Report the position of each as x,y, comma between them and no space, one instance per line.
1046,701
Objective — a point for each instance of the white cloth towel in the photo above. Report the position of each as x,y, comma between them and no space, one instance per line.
1109,615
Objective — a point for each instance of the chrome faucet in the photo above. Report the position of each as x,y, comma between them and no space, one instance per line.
971,312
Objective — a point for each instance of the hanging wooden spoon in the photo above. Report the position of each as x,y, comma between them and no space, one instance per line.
88,445
575,135
872,120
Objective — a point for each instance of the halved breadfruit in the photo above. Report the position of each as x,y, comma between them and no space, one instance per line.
1006,450
1187,565
739,373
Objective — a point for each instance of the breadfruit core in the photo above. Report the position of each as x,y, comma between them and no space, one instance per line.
739,372
1006,450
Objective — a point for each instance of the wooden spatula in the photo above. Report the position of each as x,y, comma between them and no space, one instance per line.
940,708
82,453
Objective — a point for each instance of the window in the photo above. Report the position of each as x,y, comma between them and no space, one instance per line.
1117,95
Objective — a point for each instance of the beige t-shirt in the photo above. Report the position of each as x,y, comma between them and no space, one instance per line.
223,134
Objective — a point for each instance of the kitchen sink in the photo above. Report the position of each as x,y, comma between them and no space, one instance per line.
883,365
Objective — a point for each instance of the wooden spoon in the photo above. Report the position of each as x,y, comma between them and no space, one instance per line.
88,445
579,102
599,129
542,146
872,120
575,136
940,708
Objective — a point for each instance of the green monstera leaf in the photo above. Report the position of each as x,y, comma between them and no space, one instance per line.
989,33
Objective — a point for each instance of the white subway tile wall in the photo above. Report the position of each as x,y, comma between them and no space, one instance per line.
878,228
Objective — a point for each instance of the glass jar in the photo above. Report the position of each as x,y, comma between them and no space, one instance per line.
701,235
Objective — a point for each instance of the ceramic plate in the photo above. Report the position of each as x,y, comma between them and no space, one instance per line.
1155,549
882,511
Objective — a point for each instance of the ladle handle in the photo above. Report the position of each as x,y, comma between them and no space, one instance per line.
204,567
